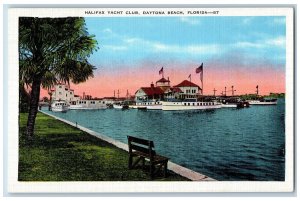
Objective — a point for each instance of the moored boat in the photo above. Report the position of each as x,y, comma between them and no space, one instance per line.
59,106
120,106
229,105
87,105
149,105
263,101
189,104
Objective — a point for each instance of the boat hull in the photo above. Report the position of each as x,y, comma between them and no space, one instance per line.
59,106
229,105
262,103
154,107
81,107
59,109
149,105
118,106
171,106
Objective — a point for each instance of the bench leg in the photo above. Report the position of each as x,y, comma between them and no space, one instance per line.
143,162
151,171
130,162
165,169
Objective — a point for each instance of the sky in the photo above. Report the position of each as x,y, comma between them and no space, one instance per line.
235,51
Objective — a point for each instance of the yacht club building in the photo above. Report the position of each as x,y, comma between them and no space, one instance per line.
164,91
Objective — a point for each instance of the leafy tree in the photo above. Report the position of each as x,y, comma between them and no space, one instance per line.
52,50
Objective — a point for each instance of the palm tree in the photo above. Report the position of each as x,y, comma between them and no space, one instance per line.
52,50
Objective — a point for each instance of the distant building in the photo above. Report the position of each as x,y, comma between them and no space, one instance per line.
163,83
164,91
149,93
63,92
188,89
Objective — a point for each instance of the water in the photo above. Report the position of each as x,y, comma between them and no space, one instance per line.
225,144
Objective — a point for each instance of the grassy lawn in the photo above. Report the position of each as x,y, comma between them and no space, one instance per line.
60,152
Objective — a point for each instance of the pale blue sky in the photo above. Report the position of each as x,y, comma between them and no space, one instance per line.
131,40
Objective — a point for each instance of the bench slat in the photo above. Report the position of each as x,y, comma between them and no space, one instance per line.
142,149
141,141
155,157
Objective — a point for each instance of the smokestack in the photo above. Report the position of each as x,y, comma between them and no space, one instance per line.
152,85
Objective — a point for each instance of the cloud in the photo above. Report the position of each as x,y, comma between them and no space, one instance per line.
189,20
247,20
278,42
244,44
158,47
108,33
279,20
115,47
107,30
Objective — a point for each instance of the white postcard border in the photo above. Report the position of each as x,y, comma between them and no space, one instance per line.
14,186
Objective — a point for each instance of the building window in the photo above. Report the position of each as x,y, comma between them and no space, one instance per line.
60,87
59,93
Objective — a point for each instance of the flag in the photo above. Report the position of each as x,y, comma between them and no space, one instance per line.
190,76
161,71
199,69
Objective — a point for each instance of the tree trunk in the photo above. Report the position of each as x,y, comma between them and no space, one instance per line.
34,102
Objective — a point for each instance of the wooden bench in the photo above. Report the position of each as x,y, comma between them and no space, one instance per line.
144,149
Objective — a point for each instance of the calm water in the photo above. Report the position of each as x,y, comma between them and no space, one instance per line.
225,144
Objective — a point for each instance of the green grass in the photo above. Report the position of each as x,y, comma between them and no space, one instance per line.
60,152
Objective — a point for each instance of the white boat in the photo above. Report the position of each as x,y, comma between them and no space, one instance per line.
87,105
59,106
120,106
190,104
229,105
117,106
265,101
149,105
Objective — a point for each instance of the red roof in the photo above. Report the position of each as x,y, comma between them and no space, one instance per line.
163,80
150,91
186,83
176,89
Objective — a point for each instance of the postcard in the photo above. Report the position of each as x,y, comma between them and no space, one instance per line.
150,100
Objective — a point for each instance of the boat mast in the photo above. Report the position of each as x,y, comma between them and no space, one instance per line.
257,90
214,92
232,90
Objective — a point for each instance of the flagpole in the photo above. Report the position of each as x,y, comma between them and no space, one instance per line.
190,83
202,81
